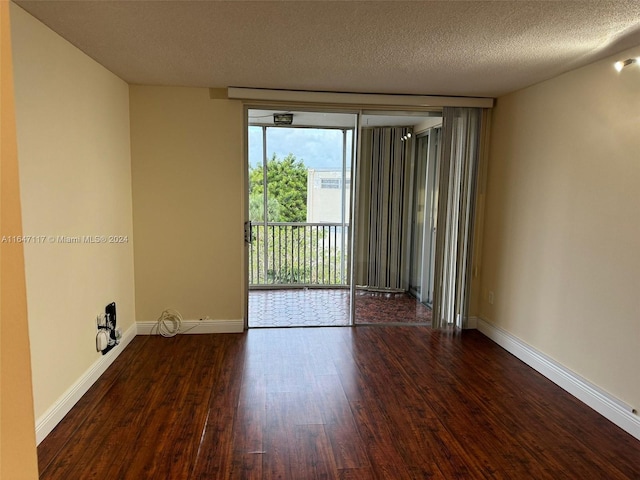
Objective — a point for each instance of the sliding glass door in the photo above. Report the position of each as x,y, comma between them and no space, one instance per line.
387,218
425,199
386,230
414,218
299,197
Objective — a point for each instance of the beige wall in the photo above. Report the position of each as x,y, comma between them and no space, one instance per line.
562,232
17,434
73,146
188,197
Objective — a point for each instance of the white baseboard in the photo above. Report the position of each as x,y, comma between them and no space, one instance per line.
602,402
197,326
49,419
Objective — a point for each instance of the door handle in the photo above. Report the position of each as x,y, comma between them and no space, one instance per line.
247,232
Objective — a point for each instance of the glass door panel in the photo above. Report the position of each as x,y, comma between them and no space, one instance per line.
299,178
387,226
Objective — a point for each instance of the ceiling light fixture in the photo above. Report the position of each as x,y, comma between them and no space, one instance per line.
623,63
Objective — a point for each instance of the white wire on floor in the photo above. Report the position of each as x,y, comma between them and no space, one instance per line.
169,323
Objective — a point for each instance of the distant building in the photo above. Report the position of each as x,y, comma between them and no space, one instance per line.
324,196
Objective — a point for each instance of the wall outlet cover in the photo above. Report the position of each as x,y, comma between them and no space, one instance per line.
102,340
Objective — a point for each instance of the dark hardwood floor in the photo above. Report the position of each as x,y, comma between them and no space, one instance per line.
345,403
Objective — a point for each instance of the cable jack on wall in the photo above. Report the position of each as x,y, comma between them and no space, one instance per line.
108,334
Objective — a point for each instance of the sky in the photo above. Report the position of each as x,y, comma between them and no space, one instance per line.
319,148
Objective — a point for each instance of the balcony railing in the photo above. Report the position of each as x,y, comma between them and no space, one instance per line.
298,254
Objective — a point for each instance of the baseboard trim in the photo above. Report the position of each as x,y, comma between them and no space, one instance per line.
48,420
602,402
197,326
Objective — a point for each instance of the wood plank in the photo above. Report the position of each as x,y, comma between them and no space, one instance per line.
51,445
349,450
215,453
278,442
503,409
313,457
356,474
366,402
430,448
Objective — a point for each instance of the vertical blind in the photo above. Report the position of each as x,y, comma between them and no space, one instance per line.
384,183
454,234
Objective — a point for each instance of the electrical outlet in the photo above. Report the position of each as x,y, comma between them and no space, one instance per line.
107,336
490,298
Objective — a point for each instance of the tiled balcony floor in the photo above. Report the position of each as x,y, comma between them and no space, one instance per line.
330,307
298,308
390,308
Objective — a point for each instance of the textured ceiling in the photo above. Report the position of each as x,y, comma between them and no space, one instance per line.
468,48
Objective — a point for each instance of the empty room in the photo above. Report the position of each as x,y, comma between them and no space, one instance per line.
310,239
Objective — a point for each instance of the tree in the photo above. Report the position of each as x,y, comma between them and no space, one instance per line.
286,190
256,208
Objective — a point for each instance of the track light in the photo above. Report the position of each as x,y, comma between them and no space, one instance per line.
405,137
282,118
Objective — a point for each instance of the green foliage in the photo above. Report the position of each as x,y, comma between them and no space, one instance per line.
256,207
297,255
287,190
